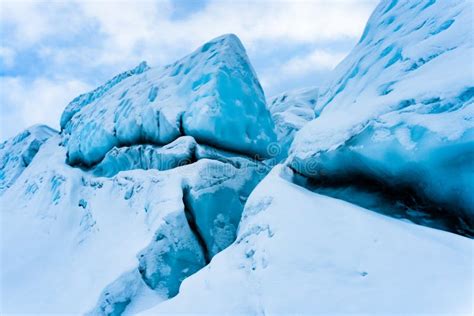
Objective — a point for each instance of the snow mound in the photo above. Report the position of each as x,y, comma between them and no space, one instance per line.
395,113
212,94
18,152
319,255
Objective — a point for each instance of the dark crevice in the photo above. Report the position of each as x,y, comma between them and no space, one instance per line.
181,125
193,226
401,200
194,156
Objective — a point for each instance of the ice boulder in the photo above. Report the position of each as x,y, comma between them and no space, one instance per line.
212,94
18,152
396,116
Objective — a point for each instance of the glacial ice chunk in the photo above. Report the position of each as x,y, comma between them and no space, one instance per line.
212,94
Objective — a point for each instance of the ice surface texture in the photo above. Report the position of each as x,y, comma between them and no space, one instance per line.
170,156
399,109
18,152
169,164
212,94
111,240
87,98
290,112
320,255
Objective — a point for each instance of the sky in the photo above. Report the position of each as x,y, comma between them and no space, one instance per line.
52,51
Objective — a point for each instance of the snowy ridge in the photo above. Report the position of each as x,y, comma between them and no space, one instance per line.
395,115
18,152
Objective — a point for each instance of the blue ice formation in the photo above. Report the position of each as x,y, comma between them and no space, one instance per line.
212,94
18,152
395,115
88,98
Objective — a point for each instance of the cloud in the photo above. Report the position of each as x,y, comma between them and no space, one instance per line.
318,59
23,103
7,57
87,42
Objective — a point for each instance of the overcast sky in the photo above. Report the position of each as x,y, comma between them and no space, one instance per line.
51,51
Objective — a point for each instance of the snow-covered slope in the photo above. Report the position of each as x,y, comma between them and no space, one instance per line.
18,152
212,94
398,111
298,252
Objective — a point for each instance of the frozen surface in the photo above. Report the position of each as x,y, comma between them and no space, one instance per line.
290,112
212,94
87,98
77,243
399,109
136,207
183,151
178,153
18,152
301,252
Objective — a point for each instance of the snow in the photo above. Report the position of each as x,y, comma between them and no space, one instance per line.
73,237
87,98
150,200
18,152
290,112
396,112
212,94
299,252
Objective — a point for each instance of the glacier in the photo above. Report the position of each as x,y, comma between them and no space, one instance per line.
410,127
101,231
182,189
137,204
211,94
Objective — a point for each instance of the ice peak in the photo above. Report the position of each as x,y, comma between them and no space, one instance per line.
213,94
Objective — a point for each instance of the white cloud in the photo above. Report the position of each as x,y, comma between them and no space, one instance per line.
38,102
318,59
7,55
75,37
